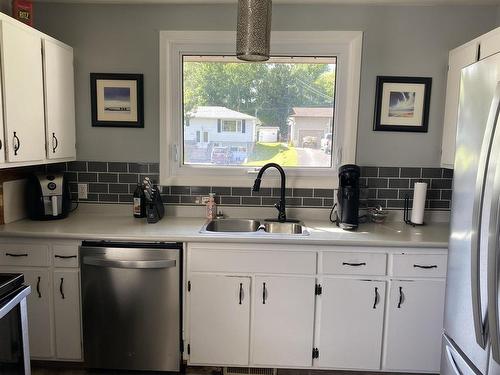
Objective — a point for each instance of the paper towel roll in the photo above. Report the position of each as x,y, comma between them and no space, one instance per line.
417,211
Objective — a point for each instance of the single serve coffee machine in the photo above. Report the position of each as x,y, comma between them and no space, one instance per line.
348,197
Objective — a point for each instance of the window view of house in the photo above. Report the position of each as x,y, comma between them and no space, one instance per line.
249,114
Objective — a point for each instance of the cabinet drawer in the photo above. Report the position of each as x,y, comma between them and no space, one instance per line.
24,254
65,255
419,265
354,263
234,261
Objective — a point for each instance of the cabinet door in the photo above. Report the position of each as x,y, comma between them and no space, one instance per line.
67,314
351,323
59,100
219,319
283,321
22,93
458,59
414,325
39,319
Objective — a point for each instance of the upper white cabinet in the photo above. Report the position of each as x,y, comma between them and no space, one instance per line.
59,100
37,111
22,93
460,57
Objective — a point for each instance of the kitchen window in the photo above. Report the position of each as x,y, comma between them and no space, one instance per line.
222,117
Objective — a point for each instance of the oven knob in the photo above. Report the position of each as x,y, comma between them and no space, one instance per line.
51,185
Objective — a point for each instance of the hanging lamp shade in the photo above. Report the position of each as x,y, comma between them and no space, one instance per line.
253,32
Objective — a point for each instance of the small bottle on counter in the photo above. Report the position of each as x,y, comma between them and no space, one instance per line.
139,205
211,207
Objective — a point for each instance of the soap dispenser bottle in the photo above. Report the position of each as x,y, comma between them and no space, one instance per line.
211,207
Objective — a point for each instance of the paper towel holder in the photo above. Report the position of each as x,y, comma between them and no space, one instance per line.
406,212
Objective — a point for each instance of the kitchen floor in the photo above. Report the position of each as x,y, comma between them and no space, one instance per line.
42,370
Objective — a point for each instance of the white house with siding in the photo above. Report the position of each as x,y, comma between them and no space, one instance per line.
207,127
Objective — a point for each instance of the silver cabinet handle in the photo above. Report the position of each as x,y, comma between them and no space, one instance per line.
101,262
477,211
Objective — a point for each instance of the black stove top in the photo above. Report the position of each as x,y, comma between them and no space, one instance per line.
9,282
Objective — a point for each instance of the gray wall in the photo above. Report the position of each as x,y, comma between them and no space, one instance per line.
401,40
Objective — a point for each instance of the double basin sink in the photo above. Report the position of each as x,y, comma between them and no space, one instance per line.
247,226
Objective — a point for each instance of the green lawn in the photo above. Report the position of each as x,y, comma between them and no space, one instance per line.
278,153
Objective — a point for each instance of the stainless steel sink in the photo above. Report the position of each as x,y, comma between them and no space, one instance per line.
284,228
257,227
232,225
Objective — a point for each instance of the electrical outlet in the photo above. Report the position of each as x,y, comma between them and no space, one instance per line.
201,200
83,190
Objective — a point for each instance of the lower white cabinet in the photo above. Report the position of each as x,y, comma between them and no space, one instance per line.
343,308
39,304
67,314
54,317
351,323
219,319
414,325
283,321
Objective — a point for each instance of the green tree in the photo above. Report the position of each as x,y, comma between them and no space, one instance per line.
267,91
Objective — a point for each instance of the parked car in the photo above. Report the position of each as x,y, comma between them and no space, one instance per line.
326,143
310,142
220,155
238,155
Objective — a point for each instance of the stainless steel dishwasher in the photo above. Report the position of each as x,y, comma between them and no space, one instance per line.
131,302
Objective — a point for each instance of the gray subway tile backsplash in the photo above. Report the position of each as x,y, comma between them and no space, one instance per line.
115,182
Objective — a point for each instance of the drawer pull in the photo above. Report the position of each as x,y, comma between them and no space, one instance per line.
16,255
401,297
264,293
353,264
241,292
375,302
64,256
425,267
61,288
38,287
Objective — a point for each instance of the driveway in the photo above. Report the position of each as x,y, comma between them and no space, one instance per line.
309,157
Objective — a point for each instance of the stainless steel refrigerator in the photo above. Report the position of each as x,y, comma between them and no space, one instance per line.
471,343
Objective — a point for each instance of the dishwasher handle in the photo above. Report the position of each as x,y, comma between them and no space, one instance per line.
141,264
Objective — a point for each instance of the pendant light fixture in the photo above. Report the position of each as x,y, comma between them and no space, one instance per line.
253,32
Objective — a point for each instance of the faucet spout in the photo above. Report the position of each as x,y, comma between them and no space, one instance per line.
281,204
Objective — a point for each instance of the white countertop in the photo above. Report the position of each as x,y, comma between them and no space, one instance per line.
111,224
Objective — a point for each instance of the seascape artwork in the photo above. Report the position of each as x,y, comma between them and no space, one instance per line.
401,104
117,99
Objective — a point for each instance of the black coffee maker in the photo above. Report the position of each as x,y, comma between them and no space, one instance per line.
348,197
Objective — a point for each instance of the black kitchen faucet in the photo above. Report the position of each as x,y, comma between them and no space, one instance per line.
281,204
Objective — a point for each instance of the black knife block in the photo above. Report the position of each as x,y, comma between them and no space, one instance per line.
154,208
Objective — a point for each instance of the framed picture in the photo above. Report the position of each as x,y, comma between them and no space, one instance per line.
117,100
402,104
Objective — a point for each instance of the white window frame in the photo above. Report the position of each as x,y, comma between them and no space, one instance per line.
345,45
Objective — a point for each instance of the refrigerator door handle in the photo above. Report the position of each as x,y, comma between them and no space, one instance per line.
477,211
452,361
491,236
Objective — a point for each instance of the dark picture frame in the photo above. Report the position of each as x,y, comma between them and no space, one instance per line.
402,104
117,100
